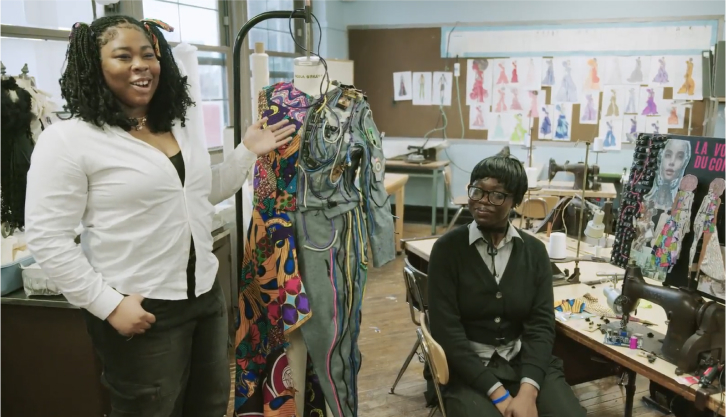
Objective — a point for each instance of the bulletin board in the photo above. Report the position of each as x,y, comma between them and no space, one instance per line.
378,53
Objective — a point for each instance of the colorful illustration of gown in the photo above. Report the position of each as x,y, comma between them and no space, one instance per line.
549,77
546,127
592,82
519,130
563,127
689,85
631,106
498,130
533,107
442,88
479,120
704,222
568,89
531,75
589,113
515,77
402,89
478,92
667,245
651,108
613,109
673,117
501,105
633,134
502,75
637,75
656,127
662,75
610,140
516,105
304,264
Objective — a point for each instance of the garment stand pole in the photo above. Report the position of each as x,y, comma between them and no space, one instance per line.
305,14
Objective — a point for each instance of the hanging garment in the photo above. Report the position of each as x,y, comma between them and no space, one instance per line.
705,223
651,109
689,85
305,261
549,77
668,243
546,127
590,113
637,75
17,146
563,127
568,89
662,75
630,107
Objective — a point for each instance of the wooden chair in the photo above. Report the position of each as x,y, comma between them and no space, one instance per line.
461,201
436,359
533,208
415,282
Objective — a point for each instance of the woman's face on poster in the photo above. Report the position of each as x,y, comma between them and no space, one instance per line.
674,159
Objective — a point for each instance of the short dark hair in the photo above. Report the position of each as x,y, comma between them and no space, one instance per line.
508,170
85,90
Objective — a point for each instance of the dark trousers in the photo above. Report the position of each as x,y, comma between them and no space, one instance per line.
178,368
555,398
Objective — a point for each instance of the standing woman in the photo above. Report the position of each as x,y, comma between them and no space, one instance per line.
135,174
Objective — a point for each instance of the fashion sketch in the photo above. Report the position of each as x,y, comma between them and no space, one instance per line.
672,163
637,75
662,76
615,77
498,130
568,89
516,105
422,87
501,105
613,109
632,134
533,104
545,127
502,74
563,126
531,75
590,112
689,85
651,109
549,77
479,120
631,106
656,127
478,92
401,88
515,77
442,87
519,130
673,117
592,81
610,140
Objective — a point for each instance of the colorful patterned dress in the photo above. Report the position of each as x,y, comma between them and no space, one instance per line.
668,244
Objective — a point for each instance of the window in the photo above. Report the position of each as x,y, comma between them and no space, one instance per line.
46,14
215,99
194,21
44,58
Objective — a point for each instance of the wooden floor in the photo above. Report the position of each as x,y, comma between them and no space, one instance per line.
387,336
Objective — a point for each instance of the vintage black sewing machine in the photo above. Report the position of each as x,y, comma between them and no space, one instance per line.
695,336
578,169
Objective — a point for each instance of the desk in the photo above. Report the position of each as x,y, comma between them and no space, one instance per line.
660,371
564,189
395,185
432,170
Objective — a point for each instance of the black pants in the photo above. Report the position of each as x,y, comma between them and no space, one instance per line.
555,398
177,368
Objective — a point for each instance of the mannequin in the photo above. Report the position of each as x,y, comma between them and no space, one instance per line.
309,72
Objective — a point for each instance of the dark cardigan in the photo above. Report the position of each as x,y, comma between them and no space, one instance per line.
466,304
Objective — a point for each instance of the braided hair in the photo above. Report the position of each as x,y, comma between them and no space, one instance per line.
84,88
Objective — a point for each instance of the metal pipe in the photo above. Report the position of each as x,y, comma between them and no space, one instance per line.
584,205
237,95
308,29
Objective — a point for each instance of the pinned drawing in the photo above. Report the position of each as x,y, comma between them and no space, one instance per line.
421,88
442,89
478,81
631,106
612,98
549,76
614,75
632,126
611,129
515,104
689,70
564,115
402,86
501,105
651,101
519,132
567,90
656,125
498,132
536,101
502,79
676,114
515,76
477,117
589,109
661,76
545,123
534,69
592,80
639,68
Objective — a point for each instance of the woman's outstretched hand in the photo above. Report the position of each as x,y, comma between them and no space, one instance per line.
262,141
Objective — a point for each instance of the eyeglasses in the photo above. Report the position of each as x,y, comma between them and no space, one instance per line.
495,197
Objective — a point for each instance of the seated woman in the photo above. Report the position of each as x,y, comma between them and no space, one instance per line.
491,307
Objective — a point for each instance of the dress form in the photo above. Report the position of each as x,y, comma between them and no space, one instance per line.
308,74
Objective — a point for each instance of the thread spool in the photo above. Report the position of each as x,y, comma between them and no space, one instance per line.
598,145
558,245
259,67
531,177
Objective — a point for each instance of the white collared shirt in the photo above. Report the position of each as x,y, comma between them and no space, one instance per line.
138,220
501,259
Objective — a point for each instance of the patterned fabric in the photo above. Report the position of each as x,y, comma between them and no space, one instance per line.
272,299
668,244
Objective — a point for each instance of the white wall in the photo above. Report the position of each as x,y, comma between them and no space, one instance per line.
465,154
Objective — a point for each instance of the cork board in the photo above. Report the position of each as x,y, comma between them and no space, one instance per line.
378,53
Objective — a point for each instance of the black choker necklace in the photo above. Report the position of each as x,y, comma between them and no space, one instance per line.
140,122
484,229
